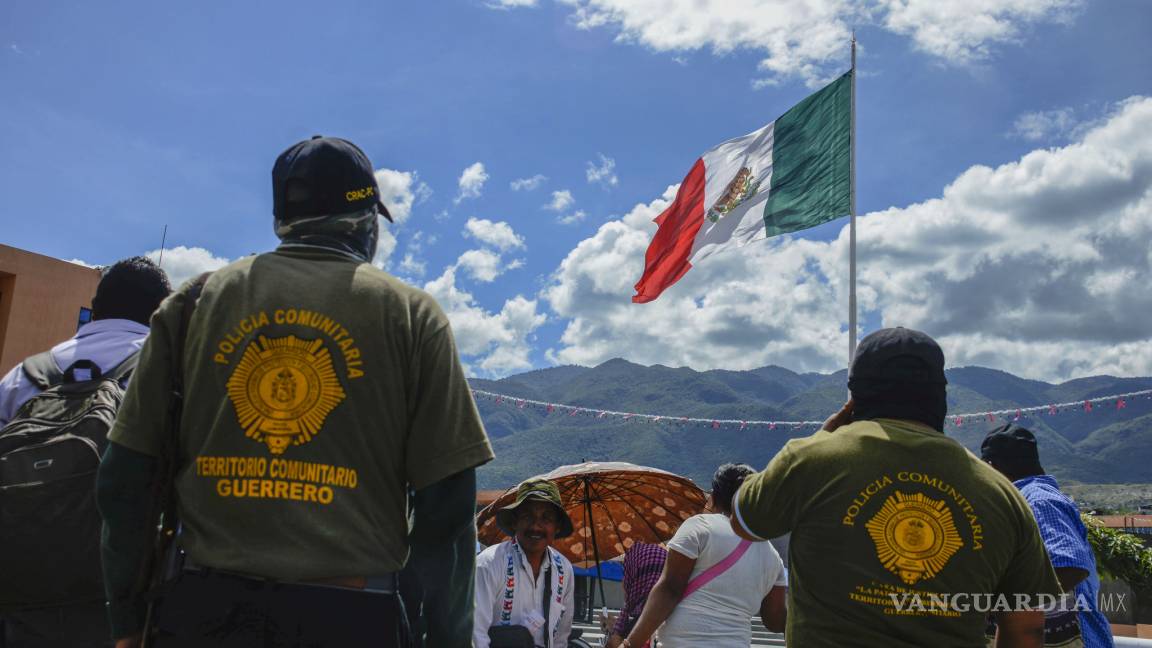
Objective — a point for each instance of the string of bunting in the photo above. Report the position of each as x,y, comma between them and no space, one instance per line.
1118,401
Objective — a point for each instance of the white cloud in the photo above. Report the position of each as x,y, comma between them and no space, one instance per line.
603,173
183,263
499,235
511,4
471,182
491,343
572,218
412,266
1060,125
729,313
561,200
400,190
808,39
481,265
385,245
963,31
528,184
485,265
1037,267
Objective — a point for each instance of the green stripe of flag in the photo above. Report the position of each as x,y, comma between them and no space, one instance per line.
811,161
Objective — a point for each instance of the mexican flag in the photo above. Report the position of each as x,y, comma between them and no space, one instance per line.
790,175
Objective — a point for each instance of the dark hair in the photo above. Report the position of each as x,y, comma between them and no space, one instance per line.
130,289
726,482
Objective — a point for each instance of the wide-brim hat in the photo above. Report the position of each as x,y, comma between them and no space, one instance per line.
540,490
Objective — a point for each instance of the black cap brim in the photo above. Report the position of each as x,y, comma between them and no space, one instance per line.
383,211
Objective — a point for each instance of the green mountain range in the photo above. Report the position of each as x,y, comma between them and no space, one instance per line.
1106,445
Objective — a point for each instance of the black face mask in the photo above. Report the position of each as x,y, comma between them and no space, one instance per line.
926,403
355,233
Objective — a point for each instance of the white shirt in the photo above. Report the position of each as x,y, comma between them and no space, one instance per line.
528,594
718,615
105,342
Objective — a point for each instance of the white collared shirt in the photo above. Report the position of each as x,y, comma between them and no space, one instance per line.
105,342
528,595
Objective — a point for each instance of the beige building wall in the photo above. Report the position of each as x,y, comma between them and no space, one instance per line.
40,302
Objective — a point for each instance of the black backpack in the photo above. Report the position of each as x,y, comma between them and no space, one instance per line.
49,454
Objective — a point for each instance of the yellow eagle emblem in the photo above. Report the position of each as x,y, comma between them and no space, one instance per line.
283,389
914,535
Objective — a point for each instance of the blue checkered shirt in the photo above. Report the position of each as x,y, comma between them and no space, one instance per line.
1067,542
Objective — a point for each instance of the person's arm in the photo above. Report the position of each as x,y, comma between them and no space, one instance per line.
840,418
1064,540
763,507
774,610
1020,629
663,599
124,495
125,487
485,596
443,553
1070,577
445,443
1029,573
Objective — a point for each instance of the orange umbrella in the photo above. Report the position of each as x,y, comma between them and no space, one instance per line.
613,505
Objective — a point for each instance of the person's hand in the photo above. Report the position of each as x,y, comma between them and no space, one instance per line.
614,641
843,417
129,642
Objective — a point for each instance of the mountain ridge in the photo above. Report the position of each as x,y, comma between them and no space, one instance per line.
1106,445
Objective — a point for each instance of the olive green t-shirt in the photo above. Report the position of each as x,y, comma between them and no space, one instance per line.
319,389
900,537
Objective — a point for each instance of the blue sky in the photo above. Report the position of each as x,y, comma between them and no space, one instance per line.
1003,159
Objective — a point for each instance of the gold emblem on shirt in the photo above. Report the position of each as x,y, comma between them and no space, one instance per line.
914,535
283,389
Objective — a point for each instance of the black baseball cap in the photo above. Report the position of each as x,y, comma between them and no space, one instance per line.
324,175
1010,444
898,354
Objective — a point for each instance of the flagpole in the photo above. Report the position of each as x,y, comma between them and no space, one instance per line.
163,240
852,221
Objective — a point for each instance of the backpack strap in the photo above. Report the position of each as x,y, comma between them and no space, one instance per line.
42,370
121,371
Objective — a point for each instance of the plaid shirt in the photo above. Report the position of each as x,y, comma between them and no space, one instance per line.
643,564
1067,542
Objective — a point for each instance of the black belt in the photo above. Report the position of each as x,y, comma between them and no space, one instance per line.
213,607
386,584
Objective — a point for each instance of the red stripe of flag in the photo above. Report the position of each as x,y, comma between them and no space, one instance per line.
667,257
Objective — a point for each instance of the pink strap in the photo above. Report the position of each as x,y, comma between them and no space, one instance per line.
706,576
